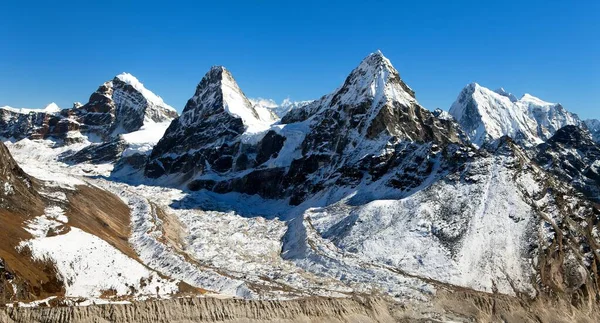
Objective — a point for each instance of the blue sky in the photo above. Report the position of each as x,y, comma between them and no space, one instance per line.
62,51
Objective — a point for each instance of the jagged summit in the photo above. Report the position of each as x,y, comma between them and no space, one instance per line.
218,91
209,129
136,84
122,105
487,115
375,78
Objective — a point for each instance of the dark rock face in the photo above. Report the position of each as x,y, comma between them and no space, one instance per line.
117,107
107,152
35,125
343,137
206,135
574,157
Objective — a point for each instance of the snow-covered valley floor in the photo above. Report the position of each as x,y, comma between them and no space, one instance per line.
230,245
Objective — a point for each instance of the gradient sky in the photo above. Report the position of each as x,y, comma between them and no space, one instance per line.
62,51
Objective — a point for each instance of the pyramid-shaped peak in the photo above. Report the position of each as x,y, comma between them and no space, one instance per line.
218,91
217,76
375,77
377,60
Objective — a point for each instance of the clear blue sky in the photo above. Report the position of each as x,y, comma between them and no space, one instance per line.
61,51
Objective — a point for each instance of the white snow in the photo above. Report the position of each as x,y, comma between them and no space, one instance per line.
144,140
89,266
149,95
52,220
279,109
51,108
488,115
236,104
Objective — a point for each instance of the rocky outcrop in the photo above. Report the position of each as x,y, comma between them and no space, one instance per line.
16,187
17,125
121,105
108,152
573,156
210,310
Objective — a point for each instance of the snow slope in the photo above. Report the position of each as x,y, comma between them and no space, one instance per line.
90,266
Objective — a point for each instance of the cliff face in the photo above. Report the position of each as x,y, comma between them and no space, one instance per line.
210,310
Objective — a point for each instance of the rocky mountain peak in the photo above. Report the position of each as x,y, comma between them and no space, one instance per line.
122,105
218,92
374,79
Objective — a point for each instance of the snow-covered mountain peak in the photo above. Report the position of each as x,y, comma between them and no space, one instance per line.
138,86
218,90
375,80
488,115
51,108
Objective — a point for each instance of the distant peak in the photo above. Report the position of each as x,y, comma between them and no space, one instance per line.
52,108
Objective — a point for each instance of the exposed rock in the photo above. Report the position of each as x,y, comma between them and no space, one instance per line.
206,137
121,106
211,310
343,133
574,157
108,152
17,125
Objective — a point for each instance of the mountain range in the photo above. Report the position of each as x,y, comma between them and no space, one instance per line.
360,192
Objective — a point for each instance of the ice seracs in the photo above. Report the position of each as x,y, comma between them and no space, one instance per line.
486,115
